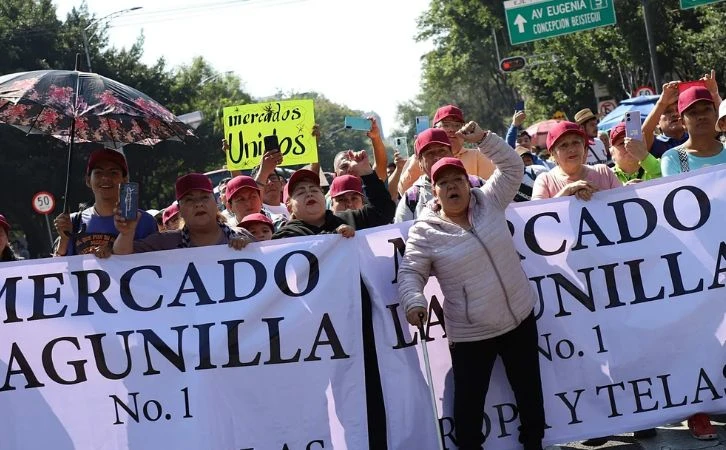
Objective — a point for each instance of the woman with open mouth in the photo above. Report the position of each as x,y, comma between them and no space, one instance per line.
462,238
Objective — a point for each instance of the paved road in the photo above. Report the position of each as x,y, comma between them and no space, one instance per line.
670,437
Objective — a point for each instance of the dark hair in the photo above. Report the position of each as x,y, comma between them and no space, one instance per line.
8,254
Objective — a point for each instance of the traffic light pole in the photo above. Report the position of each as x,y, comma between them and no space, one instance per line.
496,44
651,48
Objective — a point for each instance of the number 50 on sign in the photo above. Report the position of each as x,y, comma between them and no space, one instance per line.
245,127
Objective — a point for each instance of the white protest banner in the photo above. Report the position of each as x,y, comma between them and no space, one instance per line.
629,290
204,348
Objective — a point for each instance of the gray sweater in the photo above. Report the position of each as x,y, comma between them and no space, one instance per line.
486,292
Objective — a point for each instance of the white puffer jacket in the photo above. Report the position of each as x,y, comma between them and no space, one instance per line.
486,292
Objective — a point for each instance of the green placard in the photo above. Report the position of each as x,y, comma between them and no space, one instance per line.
532,20
685,4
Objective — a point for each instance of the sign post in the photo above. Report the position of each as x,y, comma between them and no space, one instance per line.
44,203
686,4
532,20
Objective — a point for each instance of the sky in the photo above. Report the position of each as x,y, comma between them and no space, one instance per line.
360,54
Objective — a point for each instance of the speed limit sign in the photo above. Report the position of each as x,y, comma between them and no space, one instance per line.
43,202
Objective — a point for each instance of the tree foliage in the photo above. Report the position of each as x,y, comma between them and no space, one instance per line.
33,38
463,67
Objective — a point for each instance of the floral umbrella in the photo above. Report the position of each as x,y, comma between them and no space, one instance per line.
85,107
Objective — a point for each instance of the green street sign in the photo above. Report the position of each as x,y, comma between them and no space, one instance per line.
532,20
685,4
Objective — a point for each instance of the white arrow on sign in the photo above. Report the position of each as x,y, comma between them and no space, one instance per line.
519,21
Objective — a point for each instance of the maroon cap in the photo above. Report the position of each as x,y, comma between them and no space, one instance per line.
296,177
109,155
448,111
239,182
256,218
192,182
694,94
169,212
562,128
344,184
4,223
431,136
618,132
445,163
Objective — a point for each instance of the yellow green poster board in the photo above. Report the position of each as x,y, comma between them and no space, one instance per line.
245,127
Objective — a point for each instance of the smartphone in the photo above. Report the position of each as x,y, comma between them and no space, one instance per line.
519,106
401,145
358,123
422,123
683,85
129,200
272,144
632,125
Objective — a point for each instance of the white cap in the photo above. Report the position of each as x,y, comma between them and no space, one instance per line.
721,115
153,212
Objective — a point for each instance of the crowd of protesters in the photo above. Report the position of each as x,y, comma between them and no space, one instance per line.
456,187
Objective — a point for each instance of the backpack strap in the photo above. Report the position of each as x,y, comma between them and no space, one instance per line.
683,158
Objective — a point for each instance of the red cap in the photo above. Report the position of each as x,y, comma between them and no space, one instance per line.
431,136
191,182
107,154
239,182
562,128
444,163
256,218
296,177
4,223
344,184
170,211
617,133
448,111
694,94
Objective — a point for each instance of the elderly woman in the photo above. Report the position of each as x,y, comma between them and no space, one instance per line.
6,252
462,238
202,224
567,144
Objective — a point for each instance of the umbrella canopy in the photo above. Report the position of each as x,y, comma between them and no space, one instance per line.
644,104
91,107
85,107
538,131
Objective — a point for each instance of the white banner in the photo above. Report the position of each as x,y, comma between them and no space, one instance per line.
631,316
203,348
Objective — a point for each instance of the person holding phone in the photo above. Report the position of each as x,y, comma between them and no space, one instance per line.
450,119
462,238
93,229
633,162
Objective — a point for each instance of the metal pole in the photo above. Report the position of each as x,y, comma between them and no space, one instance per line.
496,44
651,48
85,47
50,233
430,380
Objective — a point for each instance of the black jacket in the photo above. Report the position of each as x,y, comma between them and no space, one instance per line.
379,211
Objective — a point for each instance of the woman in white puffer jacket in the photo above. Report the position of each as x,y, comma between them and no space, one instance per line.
462,238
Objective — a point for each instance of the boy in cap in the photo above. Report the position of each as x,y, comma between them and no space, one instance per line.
450,119
259,225
92,230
